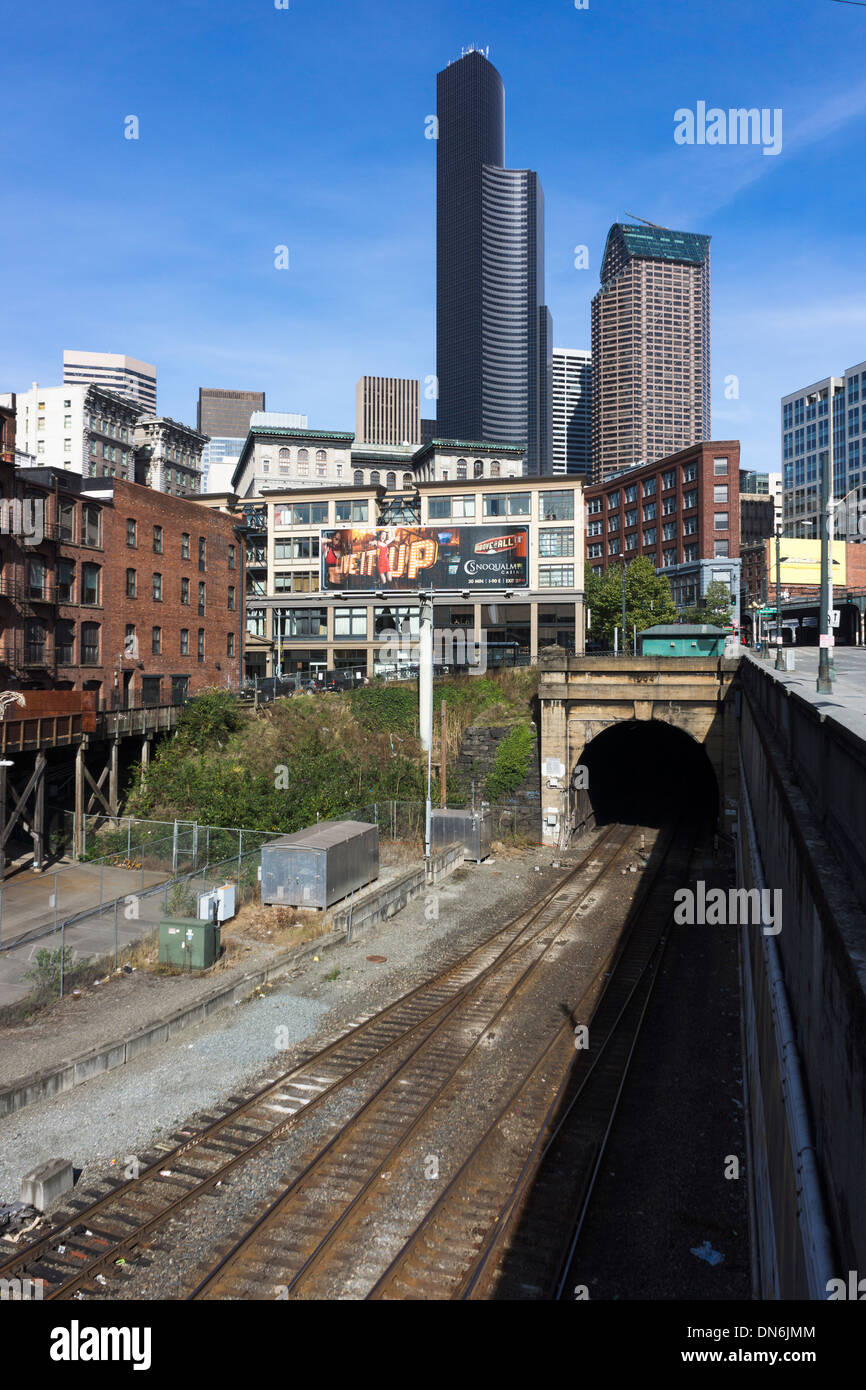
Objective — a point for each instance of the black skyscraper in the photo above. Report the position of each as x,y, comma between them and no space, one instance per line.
493,330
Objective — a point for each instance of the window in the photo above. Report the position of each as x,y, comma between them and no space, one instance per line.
649,487
201,644
690,526
690,499
631,493
202,552
375,479
556,576
130,583
391,482
184,545
157,540
593,506
461,468
156,641
720,521
630,518
556,541
201,599
350,622
495,504
184,591
669,479
720,493
352,511
65,580
66,521
231,598
478,468
157,588
36,577
184,641
613,500
439,508
495,468
231,557
358,478
90,584
318,513
92,526
90,644
669,531
720,548
301,622
613,523
230,644
690,472
669,506
321,463
649,511
631,541
64,643
556,506
650,536
594,552
285,457
720,466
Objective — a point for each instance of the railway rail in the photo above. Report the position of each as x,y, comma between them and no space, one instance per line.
88,1243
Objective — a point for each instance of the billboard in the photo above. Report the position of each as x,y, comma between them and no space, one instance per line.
801,561
426,557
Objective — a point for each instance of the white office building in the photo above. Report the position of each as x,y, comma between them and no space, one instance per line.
806,440
84,429
572,411
125,376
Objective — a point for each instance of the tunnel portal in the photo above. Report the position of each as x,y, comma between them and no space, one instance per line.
645,772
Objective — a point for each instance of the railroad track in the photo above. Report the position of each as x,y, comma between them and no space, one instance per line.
507,1224
89,1242
309,1240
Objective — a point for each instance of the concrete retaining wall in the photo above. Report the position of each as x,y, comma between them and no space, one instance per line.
373,905
822,945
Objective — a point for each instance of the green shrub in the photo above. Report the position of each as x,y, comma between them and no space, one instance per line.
511,763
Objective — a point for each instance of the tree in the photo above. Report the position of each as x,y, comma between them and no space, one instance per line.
648,600
715,607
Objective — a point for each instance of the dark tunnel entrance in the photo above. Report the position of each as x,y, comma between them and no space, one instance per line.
644,772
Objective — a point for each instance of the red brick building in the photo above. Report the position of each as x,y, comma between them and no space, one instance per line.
682,512
111,587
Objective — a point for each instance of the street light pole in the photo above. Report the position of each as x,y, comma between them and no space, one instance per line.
779,663
825,669
623,606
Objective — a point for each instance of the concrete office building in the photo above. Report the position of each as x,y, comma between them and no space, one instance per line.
387,410
806,440
572,412
226,414
168,456
493,331
292,623
650,347
84,429
125,376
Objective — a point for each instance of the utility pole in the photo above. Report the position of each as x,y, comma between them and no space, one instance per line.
779,663
825,639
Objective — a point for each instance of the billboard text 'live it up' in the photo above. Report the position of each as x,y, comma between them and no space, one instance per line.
426,557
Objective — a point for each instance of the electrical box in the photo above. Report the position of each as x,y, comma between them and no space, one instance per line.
320,865
188,943
224,896
467,828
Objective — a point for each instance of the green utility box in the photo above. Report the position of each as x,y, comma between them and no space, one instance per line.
188,943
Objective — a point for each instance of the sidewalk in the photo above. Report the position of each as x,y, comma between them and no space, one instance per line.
848,700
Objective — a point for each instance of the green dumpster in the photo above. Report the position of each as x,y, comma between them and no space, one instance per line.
188,943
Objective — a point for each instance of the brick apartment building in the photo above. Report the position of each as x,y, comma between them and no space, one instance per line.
682,512
124,591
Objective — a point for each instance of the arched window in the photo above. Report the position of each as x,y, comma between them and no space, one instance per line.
321,456
303,456
391,482
285,455
303,463
408,480
494,468
374,480
478,468
358,478
461,468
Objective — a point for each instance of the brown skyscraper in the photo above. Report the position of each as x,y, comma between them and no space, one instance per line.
226,414
387,411
650,347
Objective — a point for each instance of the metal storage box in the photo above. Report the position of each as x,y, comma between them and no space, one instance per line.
188,943
224,896
318,866
469,828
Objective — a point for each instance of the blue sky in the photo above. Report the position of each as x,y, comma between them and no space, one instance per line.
305,127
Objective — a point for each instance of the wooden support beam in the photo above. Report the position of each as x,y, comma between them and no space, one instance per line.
2,822
38,831
21,801
97,792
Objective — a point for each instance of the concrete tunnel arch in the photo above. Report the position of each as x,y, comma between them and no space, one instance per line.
646,772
